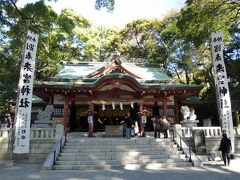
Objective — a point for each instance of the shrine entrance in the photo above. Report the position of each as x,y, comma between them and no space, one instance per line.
109,89
104,115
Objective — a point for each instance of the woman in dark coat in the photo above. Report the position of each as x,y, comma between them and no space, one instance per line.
226,149
157,127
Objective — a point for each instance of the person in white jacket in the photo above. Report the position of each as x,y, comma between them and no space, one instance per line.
136,128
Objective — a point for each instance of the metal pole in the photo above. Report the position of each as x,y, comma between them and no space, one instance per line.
173,135
54,157
190,155
60,146
180,143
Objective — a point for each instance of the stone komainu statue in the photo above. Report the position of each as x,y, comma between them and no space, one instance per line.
192,115
46,114
185,112
188,113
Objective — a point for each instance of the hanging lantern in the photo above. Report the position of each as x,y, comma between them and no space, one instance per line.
121,106
113,105
132,104
103,107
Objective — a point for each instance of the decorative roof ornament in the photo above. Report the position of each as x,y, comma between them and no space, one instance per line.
116,55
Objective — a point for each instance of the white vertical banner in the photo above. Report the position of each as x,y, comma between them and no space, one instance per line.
221,83
25,89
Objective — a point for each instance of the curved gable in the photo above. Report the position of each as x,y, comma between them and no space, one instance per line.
114,67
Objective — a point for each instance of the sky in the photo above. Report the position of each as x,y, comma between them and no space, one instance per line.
125,10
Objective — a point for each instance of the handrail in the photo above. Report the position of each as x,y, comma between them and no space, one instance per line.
60,144
180,144
51,158
188,150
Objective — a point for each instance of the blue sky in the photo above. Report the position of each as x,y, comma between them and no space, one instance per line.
125,10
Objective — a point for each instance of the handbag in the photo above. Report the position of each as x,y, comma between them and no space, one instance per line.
232,156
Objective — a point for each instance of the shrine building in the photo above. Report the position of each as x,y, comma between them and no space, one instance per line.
111,90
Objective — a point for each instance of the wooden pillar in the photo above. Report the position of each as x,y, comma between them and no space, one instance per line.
155,109
72,116
142,121
164,103
65,113
90,120
51,99
176,110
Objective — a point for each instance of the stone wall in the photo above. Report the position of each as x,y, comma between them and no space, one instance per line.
213,143
3,149
37,153
41,143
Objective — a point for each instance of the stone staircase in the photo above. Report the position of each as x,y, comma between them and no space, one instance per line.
81,153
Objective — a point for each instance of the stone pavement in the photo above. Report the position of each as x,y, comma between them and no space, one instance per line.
213,170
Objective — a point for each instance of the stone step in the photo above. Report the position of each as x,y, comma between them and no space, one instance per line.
131,153
120,162
116,140
114,153
154,166
91,157
114,149
92,145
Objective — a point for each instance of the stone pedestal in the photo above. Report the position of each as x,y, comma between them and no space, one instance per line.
42,124
199,141
207,122
59,131
177,128
189,123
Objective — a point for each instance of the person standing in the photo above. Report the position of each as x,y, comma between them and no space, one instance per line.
124,127
8,120
165,126
128,123
225,148
157,127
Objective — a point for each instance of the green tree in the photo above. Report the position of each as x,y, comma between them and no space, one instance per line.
232,59
60,38
141,39
102,43
196,21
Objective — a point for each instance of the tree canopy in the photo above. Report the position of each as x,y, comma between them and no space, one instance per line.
180,42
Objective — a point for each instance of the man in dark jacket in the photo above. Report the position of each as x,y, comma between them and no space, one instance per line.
157,127
128,122
225,148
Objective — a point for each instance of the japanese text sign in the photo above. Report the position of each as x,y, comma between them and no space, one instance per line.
25,89
221,83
